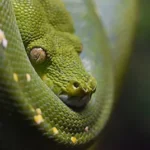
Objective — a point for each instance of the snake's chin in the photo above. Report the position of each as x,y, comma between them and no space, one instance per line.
75,101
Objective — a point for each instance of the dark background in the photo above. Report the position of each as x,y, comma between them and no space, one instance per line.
129,128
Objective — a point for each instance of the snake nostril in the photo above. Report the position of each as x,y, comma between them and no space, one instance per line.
76,84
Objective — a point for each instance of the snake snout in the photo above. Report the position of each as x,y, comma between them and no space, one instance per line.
77,94
75,88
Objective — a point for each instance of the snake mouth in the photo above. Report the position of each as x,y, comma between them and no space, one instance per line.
75,101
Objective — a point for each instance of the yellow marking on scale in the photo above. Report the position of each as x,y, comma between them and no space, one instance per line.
38,119
28,77
3,40
38,111
74,140
15,76
55,131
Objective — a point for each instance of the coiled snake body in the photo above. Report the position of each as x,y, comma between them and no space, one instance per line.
22,88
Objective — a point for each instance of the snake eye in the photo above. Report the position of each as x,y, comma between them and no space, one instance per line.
37,55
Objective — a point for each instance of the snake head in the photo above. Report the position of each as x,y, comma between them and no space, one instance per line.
63,70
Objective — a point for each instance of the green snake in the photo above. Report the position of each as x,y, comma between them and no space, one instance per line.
28,25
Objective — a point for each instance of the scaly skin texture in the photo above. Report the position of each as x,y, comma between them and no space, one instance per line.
48,25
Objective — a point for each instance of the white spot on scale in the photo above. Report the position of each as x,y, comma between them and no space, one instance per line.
86,128
3,40
28,77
